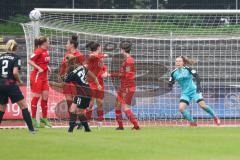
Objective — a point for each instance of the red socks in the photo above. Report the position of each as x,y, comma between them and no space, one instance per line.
89,114
44,108
100,115
132,118
118,114
34,106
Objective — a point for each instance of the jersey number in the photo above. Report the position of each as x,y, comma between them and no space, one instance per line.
4,67
81,74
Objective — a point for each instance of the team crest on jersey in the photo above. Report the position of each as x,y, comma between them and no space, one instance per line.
32,55
47,59
128,69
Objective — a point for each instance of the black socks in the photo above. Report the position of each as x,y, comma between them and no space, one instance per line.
28,119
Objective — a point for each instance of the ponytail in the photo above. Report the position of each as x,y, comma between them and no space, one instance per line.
36,43
74,40
188,61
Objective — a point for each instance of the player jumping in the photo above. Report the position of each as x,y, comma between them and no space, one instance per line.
77,73
183,74
69,89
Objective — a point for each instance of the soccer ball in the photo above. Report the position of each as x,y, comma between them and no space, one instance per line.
35,15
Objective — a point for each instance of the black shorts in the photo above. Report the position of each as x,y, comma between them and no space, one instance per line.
82,102
10,91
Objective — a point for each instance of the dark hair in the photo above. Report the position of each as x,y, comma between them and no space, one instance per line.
74,40
187,60
92,46
36,45
40,40
126,46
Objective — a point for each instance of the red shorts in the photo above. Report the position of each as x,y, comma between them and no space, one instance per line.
38,83
99,94
125,95
70,89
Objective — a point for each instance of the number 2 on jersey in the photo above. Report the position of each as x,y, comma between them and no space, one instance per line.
81,74
5,67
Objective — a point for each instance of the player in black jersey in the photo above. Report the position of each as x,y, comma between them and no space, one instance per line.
77,73
10,80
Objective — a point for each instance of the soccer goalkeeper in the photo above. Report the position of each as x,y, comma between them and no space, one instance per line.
183,74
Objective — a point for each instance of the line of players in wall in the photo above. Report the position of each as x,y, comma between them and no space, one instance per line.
82,82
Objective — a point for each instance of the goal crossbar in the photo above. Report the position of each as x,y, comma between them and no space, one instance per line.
136,11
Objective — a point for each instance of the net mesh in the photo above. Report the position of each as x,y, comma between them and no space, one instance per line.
211,39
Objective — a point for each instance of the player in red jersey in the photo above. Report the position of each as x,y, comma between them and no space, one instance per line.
69,89
96,66
39,79
127,87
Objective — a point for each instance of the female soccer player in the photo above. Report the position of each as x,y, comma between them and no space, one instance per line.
183,74
127,87
77,73
96,66
10,65
69,89
39,79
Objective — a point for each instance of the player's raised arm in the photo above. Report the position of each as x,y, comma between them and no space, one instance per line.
171,80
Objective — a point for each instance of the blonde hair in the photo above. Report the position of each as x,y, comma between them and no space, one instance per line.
188,61
11,45
71,63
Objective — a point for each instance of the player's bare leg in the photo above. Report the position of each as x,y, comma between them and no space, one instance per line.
186,114
69,100
90,109
44,107
26,115
2,111
210,111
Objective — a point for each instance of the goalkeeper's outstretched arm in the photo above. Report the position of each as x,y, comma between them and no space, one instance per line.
171,80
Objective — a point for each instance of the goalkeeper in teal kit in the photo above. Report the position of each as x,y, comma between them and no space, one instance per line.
189,90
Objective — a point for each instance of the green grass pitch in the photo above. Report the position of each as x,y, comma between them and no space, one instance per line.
163,143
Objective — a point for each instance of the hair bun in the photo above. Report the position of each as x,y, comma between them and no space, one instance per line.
75,37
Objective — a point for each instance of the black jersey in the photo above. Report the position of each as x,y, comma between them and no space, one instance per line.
79,76
7,62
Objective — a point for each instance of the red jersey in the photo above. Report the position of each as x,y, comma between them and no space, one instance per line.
126,73
41,58
80,60
95,64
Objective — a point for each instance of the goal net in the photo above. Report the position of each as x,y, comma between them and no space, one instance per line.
212,37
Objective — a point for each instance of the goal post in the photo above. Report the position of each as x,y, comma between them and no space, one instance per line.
211,37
